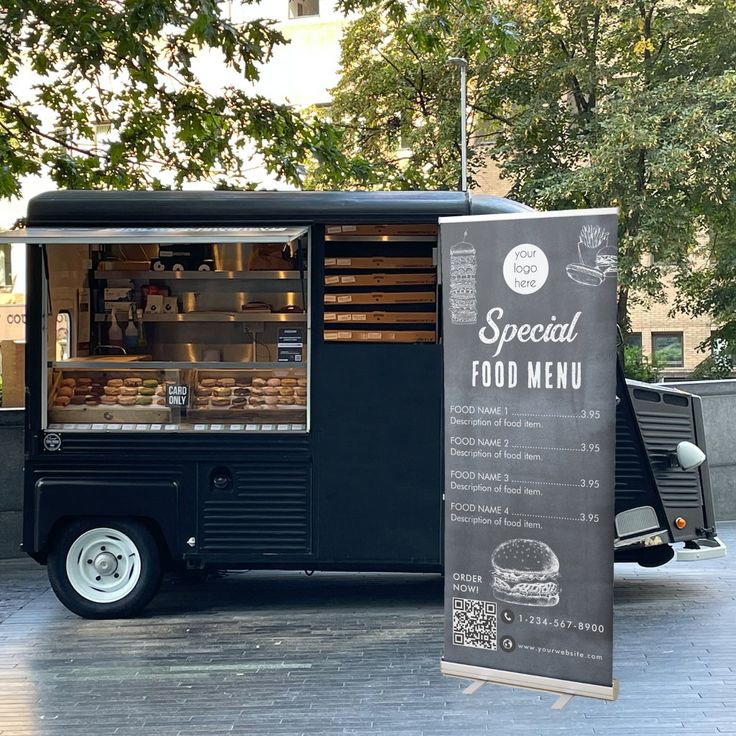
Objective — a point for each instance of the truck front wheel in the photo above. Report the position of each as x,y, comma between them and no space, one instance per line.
105,568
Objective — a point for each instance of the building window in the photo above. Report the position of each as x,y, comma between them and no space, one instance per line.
633,339
303,8
667,349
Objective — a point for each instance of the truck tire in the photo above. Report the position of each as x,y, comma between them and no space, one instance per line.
105,568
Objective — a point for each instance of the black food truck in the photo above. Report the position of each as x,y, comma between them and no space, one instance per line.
254,380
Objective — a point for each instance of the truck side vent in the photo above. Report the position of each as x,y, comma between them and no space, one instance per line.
265,512
661,433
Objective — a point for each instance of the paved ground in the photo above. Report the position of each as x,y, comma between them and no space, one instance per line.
257,653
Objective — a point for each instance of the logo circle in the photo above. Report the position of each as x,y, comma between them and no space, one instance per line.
525,268
52,441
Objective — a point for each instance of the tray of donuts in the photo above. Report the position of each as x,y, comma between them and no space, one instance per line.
255,391
109,397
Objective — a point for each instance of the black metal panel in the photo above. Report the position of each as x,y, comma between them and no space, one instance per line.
265,510
120,209
152,491
377,452
192,445
664,424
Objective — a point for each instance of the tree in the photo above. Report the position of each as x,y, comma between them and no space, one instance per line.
398,98
66,67
630,103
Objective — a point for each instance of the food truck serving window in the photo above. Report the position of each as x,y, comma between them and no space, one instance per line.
191,330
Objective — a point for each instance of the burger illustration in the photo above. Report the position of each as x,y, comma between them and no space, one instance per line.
525,571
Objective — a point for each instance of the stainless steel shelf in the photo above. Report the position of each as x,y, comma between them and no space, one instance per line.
348,238
200,275
133,365
217,317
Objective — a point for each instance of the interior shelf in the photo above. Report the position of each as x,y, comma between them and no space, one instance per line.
200,275
217,317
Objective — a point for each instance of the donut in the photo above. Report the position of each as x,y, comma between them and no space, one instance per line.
239,401
222,391
78,400
109,399
256,400
115,382
225,381
84,381
288,382
220,402
127,400
301,382
299,391
68,382
300,400
160,402
241,391
62,401
208,382
92,401
143,401
150,382
273,382
201,402
286,391
271,391
284,400
81,391
160,391
66,391
112,390
270,400
258,382
133,382
96,390
242,383
128,391
257,391
146,391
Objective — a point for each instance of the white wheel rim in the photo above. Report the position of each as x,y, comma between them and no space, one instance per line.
103,565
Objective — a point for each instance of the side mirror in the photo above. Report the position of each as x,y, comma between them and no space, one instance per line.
689,456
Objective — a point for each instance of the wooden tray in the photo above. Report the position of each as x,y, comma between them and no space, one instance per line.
111,413
288,415
382,297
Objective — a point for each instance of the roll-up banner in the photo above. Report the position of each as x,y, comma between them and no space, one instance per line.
529,314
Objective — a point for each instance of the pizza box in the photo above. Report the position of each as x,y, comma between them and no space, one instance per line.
395,318
379,336
382,297
380,279
378,262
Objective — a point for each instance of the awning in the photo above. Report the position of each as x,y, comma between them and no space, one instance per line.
83,236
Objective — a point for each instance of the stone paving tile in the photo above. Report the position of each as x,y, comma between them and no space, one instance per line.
280,654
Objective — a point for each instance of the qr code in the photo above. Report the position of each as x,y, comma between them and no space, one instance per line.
473,623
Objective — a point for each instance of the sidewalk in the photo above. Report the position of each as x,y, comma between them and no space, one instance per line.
281,653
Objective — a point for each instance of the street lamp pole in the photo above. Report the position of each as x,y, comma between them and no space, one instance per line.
463,64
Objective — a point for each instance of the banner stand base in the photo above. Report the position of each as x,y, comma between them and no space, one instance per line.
565,689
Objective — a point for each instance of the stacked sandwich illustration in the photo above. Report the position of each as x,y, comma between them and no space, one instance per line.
463,305
525,571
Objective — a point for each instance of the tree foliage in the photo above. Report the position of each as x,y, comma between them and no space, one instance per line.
627,103
398,98
66,67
